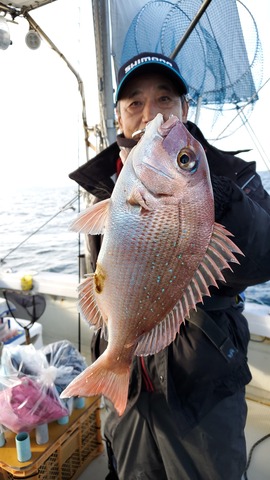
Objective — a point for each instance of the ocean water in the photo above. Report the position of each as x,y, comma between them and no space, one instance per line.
35,235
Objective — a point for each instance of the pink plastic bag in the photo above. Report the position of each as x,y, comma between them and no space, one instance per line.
27,404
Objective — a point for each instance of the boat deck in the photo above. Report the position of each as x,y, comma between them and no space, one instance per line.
258,426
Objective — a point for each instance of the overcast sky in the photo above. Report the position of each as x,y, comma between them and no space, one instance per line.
40,107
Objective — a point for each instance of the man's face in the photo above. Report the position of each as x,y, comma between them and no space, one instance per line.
143,98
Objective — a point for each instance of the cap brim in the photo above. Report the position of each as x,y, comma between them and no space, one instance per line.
153,67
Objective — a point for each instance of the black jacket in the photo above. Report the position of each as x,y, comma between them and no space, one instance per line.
193,371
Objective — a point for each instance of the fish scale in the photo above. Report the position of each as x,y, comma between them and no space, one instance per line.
161,251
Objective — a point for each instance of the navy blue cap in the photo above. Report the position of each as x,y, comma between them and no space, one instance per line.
150,62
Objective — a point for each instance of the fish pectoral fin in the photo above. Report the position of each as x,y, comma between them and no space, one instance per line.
93,219
103,377
140,196
87,303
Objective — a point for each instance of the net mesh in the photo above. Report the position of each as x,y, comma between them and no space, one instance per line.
219,60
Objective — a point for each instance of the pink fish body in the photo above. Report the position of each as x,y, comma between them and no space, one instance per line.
161,250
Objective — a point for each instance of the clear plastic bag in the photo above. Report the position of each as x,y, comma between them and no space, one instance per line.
31,382
68,361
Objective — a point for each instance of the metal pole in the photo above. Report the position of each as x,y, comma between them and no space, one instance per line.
198,110
38,29
104,70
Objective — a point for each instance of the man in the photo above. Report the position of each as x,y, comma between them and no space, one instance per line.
186,410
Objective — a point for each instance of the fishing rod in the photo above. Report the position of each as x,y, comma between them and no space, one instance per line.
65,207
191,27
183,40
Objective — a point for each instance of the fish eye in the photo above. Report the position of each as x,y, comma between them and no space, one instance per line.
186,159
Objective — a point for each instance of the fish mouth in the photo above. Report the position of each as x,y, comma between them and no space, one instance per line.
157,170
157,129
137,135
163,129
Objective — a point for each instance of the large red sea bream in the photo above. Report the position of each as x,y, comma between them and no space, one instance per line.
161,250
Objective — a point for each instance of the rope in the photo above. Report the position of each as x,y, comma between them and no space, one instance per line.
251,452
256,141
65,207
240,110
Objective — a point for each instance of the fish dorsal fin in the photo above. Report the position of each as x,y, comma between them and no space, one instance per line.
162,334
217,256
93,219
88,306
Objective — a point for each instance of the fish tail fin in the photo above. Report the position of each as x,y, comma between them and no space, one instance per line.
102,378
